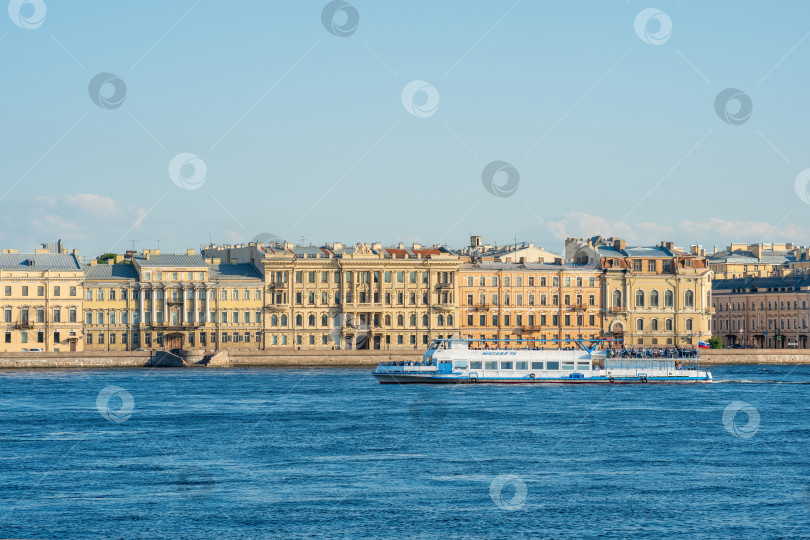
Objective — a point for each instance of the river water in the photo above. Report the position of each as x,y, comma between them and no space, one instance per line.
312,452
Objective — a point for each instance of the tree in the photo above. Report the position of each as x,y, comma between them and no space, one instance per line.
103,258
716,343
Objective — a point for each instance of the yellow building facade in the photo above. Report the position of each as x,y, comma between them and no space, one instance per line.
652,296
534,301
173,301
41,301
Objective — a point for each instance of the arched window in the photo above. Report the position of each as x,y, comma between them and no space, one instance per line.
388,320
440,320
324,320
312,320
449,320
689,324
668,325
274,320
424,320
299,320
283,320
400,320
413,320
654,325
654,299
689,299
639,299
639,324
617,298
668,296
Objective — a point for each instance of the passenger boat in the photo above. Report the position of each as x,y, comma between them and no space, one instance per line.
461,360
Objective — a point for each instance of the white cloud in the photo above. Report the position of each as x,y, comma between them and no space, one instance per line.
743,231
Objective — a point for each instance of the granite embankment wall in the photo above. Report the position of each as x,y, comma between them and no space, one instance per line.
294,358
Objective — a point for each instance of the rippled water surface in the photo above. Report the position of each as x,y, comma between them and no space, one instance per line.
290,453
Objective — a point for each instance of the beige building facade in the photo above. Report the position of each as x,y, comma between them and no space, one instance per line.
654,296
762,313
365,296
41,301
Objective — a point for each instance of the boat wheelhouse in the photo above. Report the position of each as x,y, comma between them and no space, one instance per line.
460,360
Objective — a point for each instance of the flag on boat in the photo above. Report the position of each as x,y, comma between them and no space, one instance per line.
704,345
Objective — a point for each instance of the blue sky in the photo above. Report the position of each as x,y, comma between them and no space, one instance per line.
304,133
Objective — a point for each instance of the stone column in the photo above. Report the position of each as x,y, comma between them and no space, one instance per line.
165,305
207,305
154,304
140,305
184,315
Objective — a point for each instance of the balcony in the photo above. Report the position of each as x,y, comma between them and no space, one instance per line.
277,307
617,309
480,307
531,327
276,285
444,285
26,324
444,307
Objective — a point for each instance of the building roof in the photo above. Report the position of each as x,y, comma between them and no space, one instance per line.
647,252
531,266
740,256
110,272
170,260
761,284
41,261
233,271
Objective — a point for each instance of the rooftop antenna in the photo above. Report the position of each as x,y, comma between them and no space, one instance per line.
158,244
210,241
133,244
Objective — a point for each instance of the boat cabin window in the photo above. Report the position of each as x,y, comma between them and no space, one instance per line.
460,364
507,364
433,345
583,366
475,364
552,365
521,365
491,364
537,365
568,366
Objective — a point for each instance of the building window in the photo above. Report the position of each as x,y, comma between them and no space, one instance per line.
8,290
654,299
25,290
617,298
689,324
636,266
73,291
639,299
689,299
668,297
639,324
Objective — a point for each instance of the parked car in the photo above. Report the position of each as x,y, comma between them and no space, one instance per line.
141,349
35,349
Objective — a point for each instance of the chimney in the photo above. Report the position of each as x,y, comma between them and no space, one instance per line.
110,262
189,252
558,260
619,244
417,246
93,262
401,245
475,242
